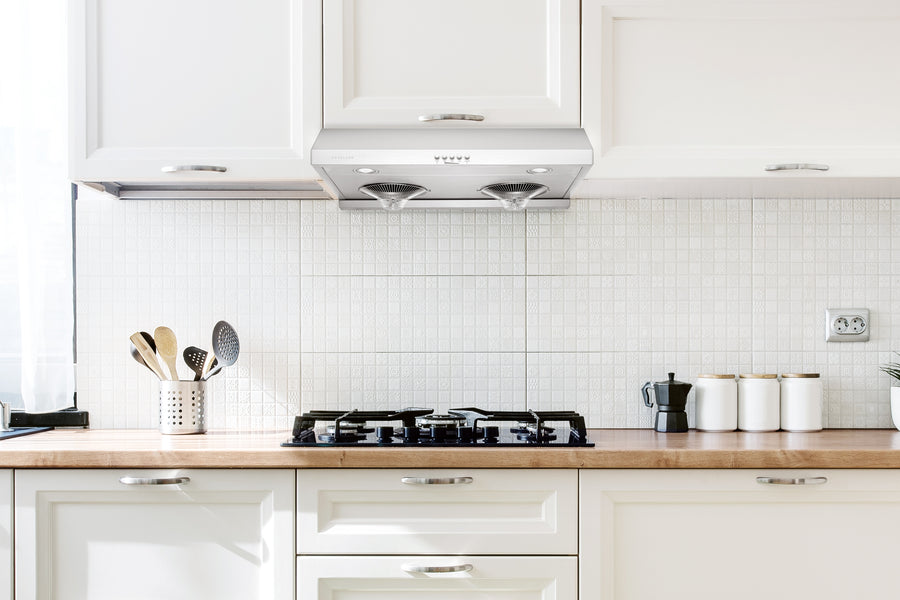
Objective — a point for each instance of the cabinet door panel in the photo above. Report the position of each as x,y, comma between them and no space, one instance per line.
6,533
381,578
164,82
83,534
389,61
710,89
348,511
706,535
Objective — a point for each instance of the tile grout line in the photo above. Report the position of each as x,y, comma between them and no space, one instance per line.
525,307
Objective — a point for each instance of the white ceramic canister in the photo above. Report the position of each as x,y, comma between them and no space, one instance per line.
716,403
759,405
801,402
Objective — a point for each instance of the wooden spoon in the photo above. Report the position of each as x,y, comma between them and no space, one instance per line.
167,348
147,354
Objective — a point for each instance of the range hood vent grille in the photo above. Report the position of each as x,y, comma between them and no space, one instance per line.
392,196
513,196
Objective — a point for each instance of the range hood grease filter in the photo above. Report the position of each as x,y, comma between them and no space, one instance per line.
451,169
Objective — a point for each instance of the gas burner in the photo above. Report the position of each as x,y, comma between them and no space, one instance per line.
420,427
346,432
445,421
531,432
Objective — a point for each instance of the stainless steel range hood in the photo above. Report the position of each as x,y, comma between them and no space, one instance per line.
449,169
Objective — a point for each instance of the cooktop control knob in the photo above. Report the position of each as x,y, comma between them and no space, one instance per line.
410,435
385,435
491,434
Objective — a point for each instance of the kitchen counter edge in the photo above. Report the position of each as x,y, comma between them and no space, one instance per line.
614,449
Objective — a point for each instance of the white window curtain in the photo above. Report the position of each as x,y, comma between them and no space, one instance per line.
37,371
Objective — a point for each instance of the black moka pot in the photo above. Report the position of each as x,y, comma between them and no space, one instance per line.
671,399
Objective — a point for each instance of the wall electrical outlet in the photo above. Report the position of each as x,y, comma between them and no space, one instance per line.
846,324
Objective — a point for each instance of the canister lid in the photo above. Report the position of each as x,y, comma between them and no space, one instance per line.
758,375
714,376
800,375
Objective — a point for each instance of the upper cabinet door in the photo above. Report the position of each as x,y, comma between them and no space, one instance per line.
175,83
727,88
424,63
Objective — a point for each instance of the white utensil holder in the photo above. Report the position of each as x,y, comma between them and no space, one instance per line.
182,407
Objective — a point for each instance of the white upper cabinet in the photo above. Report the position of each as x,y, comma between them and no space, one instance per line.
162,84
394,63
725,88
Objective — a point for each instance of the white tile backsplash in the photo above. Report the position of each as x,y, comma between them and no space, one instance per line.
412,314
559,310
388,381
335,242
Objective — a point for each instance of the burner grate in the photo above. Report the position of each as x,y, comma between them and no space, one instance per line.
460,427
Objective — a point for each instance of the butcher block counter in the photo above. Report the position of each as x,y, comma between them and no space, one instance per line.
614,449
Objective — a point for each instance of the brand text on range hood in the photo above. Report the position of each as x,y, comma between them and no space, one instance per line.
497,168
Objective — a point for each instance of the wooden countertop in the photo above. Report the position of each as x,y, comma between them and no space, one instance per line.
615,449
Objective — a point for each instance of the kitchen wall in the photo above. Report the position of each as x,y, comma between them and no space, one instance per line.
562,310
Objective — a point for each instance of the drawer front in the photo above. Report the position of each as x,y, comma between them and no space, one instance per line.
414,578
437,511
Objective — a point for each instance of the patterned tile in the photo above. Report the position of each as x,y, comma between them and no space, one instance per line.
606,386
639,313
388,381
412,314
335,242
641,237
576,309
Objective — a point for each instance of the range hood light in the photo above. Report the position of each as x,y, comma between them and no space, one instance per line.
539,170
365,171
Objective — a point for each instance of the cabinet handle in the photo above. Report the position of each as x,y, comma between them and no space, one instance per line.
796,167
452,569
154,481
179,168
450,117
792,481
437,480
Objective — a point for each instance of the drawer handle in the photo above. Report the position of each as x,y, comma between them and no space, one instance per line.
796,167
179,168
437,480
452,569
154,480
792,481
450,117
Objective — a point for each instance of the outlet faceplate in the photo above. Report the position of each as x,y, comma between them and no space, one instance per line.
846,324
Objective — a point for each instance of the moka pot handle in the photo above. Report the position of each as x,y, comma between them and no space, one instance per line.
644,391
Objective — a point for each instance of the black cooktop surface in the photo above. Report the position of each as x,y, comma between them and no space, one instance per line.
422,427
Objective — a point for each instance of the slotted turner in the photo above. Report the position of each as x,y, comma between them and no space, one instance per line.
194,358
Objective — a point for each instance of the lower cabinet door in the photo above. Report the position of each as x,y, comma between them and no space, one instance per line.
6,537
153,535
739,534
437,577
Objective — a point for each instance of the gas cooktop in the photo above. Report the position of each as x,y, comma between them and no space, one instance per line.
421,427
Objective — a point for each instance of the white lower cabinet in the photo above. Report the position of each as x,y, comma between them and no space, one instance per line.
437,511
739,534
154,534
373,534
6,533
437,577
